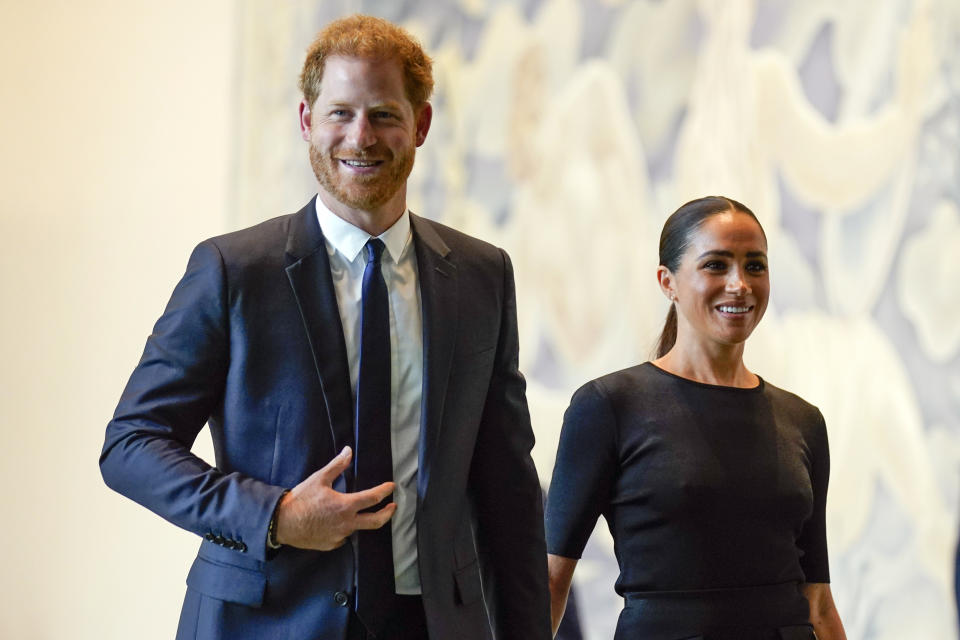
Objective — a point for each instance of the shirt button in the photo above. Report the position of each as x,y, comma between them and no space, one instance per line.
341,598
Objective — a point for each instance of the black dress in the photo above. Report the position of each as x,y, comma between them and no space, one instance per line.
714,496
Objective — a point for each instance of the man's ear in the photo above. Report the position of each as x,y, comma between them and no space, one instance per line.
424,117
667,283
305,120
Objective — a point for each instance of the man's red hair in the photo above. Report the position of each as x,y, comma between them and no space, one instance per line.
361,36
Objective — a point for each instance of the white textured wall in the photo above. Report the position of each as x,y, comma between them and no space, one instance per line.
567,130
115,133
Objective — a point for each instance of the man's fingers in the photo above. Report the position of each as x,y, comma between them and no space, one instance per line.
335,467
370,497
376,519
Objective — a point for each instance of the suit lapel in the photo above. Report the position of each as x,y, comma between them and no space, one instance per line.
438,295
308,269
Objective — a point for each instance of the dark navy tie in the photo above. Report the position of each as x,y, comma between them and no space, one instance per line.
373,462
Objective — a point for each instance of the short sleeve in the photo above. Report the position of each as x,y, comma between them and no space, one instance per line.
584,472
813,538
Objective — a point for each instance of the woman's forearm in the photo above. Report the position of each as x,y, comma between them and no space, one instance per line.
561,577
823,612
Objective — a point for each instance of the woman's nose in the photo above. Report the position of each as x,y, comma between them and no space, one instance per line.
737,283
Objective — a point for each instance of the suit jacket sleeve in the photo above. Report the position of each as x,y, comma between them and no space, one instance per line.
173,391
507,491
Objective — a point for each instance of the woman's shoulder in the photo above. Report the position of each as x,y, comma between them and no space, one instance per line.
610,403
626,384
788,399
793,407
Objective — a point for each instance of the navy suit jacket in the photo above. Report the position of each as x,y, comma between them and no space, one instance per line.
251,344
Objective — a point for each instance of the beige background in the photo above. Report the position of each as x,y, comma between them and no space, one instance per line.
115,142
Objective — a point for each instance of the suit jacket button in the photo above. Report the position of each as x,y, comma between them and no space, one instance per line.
241,546
341,599
219,540
208,536
229,544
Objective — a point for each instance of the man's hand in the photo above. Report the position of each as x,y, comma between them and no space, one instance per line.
315,516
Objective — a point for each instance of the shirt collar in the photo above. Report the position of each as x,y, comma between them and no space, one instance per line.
349,240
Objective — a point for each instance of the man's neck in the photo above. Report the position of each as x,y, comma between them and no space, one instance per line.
374,222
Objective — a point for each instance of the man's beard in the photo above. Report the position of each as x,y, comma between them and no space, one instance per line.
362,192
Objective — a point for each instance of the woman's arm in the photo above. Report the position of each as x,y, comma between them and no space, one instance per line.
823,612
561,575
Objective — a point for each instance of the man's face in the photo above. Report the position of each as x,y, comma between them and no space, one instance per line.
363,133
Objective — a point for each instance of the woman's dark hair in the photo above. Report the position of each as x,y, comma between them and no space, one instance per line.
674,240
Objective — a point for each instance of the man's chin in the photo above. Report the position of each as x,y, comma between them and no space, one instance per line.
363,199
365,193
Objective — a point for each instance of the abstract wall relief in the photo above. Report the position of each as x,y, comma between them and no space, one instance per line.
567,130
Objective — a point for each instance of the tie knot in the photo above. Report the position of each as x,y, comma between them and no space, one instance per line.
375,249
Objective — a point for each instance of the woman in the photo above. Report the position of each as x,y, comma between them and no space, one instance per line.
712,481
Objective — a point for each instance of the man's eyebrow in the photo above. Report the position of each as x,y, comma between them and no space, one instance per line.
386,104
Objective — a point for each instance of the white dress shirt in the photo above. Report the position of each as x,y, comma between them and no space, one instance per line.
345,247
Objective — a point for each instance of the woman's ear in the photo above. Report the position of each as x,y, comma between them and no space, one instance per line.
667,283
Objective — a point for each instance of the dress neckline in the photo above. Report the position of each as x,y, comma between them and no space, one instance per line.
707,385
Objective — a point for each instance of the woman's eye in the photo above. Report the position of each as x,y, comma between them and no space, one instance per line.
714,265
757,267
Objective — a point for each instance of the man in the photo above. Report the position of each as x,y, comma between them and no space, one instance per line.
346,352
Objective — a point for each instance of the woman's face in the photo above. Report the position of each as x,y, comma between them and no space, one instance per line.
722,285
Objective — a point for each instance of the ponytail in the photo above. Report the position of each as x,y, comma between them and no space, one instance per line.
669,334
